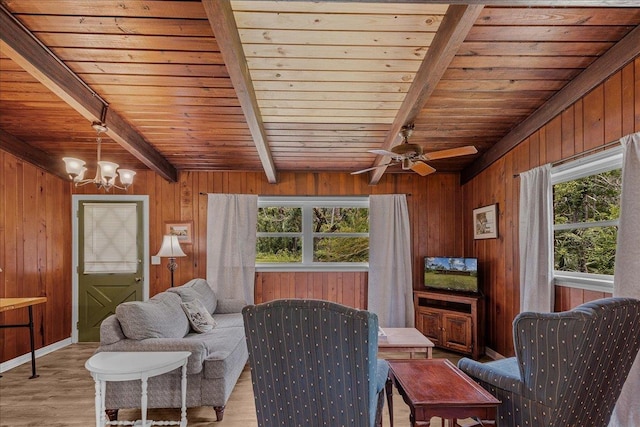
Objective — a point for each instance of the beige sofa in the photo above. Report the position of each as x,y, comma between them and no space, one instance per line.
160,324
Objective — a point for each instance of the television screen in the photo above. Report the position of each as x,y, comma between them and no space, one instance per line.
451,274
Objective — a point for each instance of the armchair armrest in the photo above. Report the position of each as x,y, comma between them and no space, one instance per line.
197,348
503,374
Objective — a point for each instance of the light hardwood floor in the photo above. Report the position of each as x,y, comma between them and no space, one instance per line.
63,395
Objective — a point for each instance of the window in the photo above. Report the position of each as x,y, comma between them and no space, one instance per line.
312,233
586,208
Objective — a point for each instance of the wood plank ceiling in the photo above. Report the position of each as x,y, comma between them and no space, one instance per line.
290,86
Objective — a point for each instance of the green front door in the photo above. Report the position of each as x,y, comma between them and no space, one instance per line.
110,253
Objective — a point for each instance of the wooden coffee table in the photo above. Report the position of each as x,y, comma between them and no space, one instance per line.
437,388
405,339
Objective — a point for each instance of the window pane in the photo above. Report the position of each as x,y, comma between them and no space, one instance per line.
278,249
341,249
588,199
340,220
586,250
280,220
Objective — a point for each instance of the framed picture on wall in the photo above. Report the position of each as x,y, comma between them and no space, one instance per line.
485,222
182,229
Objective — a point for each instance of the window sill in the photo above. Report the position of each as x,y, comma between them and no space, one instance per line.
589,282
260,268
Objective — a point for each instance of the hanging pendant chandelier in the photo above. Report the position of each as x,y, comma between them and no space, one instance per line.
106,171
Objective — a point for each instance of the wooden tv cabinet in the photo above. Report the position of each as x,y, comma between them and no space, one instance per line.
451,320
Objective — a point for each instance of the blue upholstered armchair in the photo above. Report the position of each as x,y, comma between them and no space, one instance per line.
314,363
569,367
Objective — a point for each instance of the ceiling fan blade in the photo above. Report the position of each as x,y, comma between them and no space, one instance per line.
383,153
452,152
372,168
421,168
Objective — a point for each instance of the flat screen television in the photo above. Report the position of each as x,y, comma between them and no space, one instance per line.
451,274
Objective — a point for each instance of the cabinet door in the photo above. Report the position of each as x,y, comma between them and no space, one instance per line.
429,322
456,333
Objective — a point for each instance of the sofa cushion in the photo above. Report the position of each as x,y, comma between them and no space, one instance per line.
207,295
230,305
225,352
186,294
199,318
232,320
160,317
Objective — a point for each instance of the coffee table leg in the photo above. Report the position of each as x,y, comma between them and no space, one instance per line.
389,392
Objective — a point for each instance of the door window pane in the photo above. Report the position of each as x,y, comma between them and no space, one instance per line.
110,243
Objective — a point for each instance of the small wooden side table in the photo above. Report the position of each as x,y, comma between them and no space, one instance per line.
7,304
138,365
405,339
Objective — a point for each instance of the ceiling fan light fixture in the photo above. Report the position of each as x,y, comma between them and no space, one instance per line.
412,156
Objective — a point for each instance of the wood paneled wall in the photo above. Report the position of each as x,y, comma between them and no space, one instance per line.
35,255
607,113
35,227
348,288
36,234
434,209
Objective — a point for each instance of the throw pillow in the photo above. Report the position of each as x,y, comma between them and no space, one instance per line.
159,317
199,317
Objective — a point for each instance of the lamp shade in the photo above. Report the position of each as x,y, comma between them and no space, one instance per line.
108,169
170,247
74,166
126,176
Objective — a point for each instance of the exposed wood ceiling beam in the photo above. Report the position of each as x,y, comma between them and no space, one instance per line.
19,44
31,154
613,60
454,28
527,3
225,31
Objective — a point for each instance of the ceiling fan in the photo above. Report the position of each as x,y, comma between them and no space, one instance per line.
412,157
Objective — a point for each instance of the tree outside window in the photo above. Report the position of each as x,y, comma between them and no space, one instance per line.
586,211
313,231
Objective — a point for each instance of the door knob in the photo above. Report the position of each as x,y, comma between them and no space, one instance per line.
138,279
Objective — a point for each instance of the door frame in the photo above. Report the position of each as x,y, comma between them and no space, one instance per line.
76,199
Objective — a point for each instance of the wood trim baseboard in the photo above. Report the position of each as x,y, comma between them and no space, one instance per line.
26,358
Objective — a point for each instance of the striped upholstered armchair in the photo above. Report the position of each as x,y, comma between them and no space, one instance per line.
314,363
569,367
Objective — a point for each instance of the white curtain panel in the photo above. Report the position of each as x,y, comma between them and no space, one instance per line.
626,282
536,264
231,245
390,279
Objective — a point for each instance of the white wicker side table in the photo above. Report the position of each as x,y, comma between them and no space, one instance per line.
138,365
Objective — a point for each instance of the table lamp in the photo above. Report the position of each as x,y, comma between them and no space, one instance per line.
171,249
